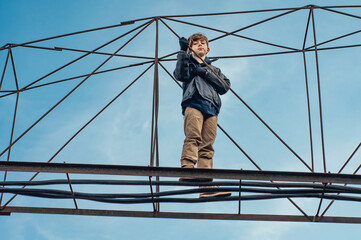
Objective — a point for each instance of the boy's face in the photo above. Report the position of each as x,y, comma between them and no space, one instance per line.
200,47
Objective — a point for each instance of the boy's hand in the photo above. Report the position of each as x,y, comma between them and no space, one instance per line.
200,71
184,44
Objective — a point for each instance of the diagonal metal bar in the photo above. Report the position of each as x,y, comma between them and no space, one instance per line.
319,91
334,39
321,199
268,54
59,49
233,13
73,33
239,196
71,189
14,118
79,58
86,75
307,91
233,34
342,13
11,140
6,64
258,23
156,83
151,191
74,89
343,166
101,111
170,29
308,112
349,159
81,129
306,31
14,69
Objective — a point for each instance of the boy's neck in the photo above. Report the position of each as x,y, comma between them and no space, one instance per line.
199,59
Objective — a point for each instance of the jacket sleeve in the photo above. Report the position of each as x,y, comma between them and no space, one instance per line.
182,70
218,85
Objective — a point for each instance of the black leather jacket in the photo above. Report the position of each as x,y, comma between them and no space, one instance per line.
209,87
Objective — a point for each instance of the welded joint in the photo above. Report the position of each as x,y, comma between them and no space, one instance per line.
58,48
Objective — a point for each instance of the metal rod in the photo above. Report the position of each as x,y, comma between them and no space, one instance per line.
84,51
348,160
342,13
169,28
228,33
260,22
86,75
334,39
6,63
319,92
151,191
319,205
306,31
156,81
239,195
70,34
308,112
14,118
71,189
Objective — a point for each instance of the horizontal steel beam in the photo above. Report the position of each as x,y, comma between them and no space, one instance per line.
179,172
178,215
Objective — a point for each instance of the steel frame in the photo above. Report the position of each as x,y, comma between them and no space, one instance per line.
154,168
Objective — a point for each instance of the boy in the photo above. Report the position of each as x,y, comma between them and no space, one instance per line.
200,104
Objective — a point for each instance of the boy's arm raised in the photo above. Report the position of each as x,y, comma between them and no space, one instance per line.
182,71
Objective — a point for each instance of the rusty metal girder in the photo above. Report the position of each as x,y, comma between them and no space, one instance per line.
177,215
179,172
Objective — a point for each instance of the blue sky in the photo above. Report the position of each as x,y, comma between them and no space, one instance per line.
273,86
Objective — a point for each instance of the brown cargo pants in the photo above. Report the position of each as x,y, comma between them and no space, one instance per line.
200,135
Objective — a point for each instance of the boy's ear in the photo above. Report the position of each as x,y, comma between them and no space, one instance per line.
208,49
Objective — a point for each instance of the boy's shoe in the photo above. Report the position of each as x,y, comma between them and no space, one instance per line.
194,179
213,194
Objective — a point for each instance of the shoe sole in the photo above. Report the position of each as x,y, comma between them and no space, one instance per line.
190,179
216,194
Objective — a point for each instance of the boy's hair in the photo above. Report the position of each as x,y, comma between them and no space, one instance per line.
196,37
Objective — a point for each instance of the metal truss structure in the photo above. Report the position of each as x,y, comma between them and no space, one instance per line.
248,185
